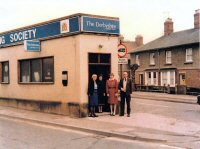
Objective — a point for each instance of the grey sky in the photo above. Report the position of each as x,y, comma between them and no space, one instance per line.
145,17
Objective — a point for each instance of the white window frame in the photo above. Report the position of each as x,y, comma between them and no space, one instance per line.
137,59
168,57
151,80
188,55
168,78
152,58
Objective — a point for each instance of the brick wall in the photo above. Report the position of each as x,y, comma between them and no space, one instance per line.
192,70
192,78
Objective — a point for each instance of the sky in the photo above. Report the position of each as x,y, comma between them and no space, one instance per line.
137,17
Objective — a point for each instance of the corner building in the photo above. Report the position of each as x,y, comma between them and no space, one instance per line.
55,78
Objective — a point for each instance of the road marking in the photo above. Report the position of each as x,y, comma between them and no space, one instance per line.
173,147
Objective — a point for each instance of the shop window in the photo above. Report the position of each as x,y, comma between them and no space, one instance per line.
5,72
25,71
48,71
37,70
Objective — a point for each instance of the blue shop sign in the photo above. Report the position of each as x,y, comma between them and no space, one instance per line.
100,25
60,28
32,45
41,32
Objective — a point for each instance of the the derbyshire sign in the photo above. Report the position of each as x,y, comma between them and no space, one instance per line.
100,25
58,28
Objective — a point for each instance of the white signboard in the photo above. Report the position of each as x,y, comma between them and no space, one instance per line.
122,60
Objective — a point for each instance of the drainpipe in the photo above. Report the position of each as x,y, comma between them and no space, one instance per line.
159,81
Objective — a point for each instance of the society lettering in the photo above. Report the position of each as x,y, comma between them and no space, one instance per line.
19,36
24,35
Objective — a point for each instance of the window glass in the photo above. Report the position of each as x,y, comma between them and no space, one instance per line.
25,71
164,78
48,71
172,78
93,58
105,58
5,72
152,58
189,55
168,57
36,70
137,59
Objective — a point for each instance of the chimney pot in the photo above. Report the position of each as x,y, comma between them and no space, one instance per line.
139,40
168,26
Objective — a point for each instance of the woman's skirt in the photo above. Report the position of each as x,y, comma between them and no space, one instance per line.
94,99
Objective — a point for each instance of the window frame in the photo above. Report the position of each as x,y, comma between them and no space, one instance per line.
152,58
30,71
187,55
137,59
167,57
1,76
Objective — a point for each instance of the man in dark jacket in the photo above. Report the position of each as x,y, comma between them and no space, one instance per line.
125,87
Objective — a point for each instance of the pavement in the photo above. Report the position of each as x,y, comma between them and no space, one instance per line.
140,126
177,98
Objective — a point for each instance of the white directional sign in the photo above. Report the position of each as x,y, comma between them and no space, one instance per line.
122,60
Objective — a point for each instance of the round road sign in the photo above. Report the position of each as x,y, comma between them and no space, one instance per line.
122,50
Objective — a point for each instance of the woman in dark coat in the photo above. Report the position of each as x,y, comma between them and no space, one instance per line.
102,93
93,96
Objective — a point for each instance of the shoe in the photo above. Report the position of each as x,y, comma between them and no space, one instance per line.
121,115
95,115
90,115
128,115
113,114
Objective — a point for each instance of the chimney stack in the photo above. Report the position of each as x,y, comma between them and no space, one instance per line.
139,40
197,19
168,26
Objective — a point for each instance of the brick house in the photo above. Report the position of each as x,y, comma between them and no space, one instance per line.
171,61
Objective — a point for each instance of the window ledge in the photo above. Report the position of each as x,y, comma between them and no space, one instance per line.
189,62
168,63
40,83
5,83
152,64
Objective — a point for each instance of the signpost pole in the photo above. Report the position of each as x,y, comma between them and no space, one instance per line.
121,70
